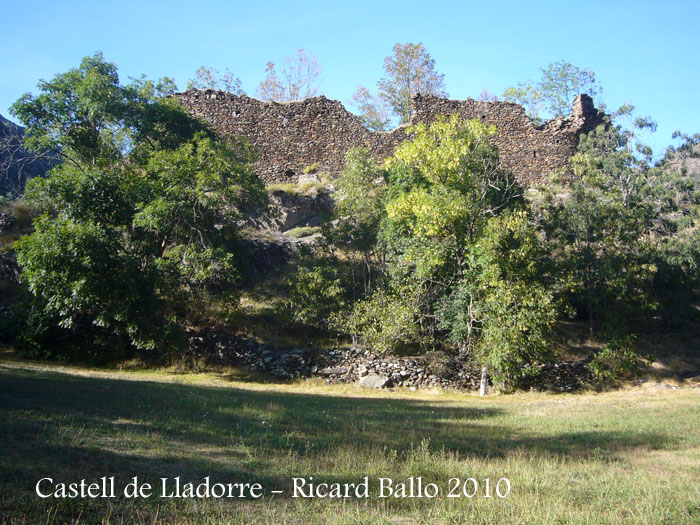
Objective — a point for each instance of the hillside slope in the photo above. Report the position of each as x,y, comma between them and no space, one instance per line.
17,165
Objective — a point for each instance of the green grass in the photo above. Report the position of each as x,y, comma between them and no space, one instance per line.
630,456
307,188
303,231
287,187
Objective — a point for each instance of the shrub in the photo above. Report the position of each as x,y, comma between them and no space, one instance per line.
383,322
618,360
24,215
315,294
312,168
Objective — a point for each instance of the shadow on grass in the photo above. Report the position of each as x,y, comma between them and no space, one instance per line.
57,423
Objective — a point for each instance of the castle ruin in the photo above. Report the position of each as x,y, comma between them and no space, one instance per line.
293,135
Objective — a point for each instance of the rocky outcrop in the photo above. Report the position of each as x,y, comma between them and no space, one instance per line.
17,165
291,209
318,131
267,250
269,234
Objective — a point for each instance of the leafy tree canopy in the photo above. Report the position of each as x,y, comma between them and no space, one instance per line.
139,218
462,258
620,229
501,312
409,71
553,94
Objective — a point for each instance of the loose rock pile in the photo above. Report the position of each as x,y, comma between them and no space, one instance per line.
351,365
356,364
336,366
566,376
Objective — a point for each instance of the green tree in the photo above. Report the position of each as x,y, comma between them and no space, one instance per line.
553,95
359,210
463,259
315,294
409,71
139,222
209,78
373,111
620,229
456,257
673,189
444,184
501,312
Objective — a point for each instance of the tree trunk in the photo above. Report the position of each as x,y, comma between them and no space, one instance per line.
589,305
484,378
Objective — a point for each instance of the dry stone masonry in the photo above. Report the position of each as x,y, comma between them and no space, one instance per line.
358,365
529,151
293,135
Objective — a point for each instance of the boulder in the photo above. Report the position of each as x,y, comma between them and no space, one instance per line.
374,381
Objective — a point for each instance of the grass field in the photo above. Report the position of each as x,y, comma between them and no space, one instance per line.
629,456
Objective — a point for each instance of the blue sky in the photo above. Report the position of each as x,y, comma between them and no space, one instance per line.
643,52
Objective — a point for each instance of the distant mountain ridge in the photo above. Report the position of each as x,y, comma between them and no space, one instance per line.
17,165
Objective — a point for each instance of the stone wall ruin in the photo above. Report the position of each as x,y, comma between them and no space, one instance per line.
291,136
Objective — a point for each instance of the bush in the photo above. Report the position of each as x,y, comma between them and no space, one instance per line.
24,215
315,294
618,360
383,322
311,168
